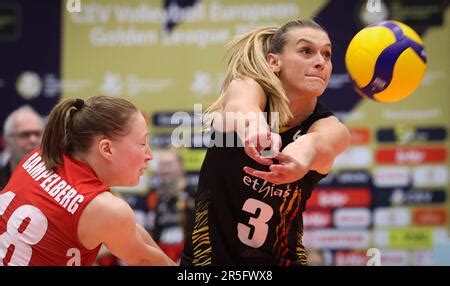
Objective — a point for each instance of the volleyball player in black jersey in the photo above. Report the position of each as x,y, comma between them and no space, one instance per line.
249,206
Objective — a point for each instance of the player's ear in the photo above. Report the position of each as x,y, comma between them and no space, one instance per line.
105,148
274,62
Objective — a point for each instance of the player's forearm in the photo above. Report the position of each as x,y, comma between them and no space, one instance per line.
251,123
151,256
325,140
146,236
158,257
312,151
242,116
147,252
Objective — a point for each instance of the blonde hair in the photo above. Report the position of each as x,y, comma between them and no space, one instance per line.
248,54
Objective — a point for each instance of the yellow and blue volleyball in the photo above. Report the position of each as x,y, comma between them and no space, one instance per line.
386,61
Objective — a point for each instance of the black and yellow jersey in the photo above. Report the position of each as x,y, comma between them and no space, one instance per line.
244,220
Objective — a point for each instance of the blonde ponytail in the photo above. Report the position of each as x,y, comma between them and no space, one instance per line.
248,59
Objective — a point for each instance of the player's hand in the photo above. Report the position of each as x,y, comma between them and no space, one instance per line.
257,144
288,170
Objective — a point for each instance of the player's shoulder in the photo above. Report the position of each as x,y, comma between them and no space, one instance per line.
245,92
246,84
109,203
108,210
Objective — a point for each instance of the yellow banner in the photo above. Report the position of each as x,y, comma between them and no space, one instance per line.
411,238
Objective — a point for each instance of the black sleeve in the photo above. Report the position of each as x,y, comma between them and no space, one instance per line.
320,112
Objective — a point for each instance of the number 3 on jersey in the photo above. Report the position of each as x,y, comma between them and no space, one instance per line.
258,224
21,239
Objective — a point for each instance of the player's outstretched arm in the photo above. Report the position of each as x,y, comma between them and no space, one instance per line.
316,150
110,220
244,102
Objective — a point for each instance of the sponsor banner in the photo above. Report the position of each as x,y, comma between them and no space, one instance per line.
350,258
160,140
442,253
392,217
336,239
404,135
430,176
192,159
353,178
359,136
327,258
391,177
340,197
328,180
163,119
429,216
411,155
380,238
192,179
399,197
352,218
409,238
424,257
317,218
441,235
394,257
354,157
175,118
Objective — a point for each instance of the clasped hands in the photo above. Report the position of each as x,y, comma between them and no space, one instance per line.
264,146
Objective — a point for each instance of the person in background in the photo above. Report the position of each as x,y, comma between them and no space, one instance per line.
22,133
172,203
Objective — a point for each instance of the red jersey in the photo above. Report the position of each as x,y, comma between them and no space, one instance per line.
39,213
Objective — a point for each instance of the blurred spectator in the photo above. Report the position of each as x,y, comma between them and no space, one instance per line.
22,133
171,204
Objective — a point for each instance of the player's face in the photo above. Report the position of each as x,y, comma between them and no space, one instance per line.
131,153
305,62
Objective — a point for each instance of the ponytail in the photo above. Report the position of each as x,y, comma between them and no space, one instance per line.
55,140
248,59
73,123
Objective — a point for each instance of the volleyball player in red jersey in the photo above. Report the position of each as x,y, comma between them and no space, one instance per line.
57,208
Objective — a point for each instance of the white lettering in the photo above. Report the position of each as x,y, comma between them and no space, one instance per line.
75,203
48,180
53,184
66,199
31,158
